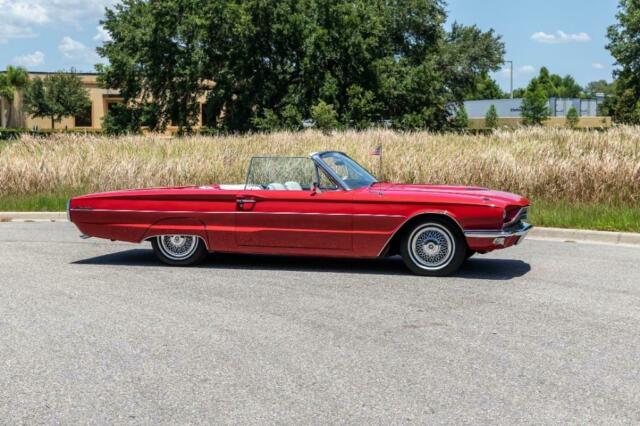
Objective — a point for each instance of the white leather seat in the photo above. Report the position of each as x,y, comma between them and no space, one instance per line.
239,187
276,186
232,187
292,186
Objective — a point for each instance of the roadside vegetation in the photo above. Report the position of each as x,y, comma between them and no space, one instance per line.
575,178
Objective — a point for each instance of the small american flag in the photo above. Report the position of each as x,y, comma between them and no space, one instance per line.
377,151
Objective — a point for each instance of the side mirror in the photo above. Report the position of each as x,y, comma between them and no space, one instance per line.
315,188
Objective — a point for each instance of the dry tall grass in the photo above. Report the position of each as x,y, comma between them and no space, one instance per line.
548,164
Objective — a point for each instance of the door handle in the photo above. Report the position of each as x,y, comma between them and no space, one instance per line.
242,201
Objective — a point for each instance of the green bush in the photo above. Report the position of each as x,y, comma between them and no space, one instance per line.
9,134
325,116
267,122
573,118
491,119
535,105
461,119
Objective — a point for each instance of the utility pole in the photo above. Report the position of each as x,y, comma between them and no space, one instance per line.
511,77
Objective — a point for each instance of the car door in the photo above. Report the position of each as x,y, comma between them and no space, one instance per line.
284,217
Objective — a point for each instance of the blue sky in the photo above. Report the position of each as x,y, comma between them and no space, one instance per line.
567,36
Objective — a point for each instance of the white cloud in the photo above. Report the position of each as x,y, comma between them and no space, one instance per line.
102,35
30,60
560,37
25,12
71,48
76,10
77,52
527,69
598,65
9,31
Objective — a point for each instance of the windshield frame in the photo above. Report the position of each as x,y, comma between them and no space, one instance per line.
318,157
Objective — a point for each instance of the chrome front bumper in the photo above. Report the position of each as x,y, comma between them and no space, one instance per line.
502,237
519,231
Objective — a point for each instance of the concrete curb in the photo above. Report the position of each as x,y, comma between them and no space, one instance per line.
582,235
33,216
577,235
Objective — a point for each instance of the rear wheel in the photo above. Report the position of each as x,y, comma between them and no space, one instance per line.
179,250
433,248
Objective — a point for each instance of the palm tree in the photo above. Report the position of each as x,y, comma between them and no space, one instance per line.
12,80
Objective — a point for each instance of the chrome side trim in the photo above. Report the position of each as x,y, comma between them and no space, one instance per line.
237,212
497,233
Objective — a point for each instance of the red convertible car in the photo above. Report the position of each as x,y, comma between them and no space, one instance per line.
322,205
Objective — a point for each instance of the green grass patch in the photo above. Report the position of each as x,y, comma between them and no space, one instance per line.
543,213
35,203
601,217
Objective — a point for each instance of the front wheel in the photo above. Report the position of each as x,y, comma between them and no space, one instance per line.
179,250
433,248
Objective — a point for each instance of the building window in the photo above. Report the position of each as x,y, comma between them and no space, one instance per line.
208,114
112,105
84,119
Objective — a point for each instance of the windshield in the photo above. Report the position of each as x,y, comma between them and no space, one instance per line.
351,173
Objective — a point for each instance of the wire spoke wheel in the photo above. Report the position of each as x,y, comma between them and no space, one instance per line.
431,246
177,247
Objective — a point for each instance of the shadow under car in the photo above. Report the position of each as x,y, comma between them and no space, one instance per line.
475,268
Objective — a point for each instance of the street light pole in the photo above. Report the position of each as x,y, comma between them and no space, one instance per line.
511,77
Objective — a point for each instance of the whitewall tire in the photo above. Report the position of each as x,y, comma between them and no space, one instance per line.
433,248
179,250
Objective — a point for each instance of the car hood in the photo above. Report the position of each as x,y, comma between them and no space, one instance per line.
475,194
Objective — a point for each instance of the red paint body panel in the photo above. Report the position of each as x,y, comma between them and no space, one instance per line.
354,223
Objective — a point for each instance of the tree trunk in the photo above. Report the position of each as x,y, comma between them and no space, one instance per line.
9,112
53,123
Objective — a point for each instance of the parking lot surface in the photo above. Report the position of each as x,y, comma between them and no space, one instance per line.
99,332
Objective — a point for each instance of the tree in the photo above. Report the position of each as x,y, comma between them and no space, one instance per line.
519,92
12,80
56,96
600,86
154,53
124,119
491,118
624,45
535,105
555,86
325,116
606,107
260,60
461,119
485,88
573,118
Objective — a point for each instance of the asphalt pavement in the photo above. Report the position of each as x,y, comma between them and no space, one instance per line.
95,332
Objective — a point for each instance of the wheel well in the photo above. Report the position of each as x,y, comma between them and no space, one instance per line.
393,246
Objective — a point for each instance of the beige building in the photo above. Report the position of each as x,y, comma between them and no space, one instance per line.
101,101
